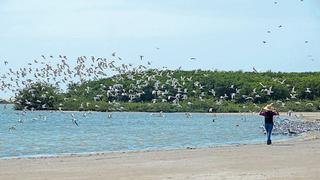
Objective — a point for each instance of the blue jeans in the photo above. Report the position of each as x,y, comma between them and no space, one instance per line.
269,127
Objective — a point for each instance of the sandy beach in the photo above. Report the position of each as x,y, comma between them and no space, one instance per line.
297,158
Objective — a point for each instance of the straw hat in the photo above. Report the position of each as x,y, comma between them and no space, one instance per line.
269,107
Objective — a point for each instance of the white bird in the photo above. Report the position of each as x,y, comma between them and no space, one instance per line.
308,90
213,92
233,95
74,121
269,91
293,96
254,91
110,115
282,82
309,104
264,86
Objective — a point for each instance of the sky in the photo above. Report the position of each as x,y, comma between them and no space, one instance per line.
220,34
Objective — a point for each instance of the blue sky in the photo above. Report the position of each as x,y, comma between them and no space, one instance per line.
224,34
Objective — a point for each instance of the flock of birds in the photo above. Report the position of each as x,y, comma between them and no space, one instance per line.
294,127
173,90
60,72
280,26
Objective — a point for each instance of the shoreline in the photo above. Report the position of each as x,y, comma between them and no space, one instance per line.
248,161
84,154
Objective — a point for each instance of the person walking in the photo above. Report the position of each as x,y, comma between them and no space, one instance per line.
268,112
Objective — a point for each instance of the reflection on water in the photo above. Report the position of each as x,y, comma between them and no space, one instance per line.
51,133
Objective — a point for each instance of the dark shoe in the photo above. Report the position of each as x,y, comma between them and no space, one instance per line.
268,142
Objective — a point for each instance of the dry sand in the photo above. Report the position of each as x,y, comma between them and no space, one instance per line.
297,158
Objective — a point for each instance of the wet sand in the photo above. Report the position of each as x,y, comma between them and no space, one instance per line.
298,158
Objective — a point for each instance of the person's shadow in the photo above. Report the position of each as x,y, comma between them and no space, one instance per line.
283,145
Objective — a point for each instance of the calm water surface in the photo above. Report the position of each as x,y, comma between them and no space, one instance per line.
53,133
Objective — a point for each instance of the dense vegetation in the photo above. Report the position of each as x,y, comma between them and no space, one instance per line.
180,91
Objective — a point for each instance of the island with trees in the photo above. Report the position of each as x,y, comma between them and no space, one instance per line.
156,90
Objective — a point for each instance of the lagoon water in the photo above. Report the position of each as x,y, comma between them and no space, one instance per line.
45,133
